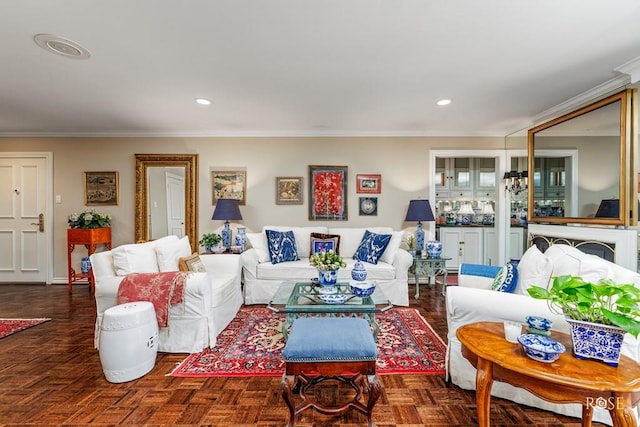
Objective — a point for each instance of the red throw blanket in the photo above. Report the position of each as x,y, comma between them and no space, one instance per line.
161,289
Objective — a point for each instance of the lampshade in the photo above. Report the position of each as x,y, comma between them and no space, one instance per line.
466,209
487,209
419,210
227,209
609,208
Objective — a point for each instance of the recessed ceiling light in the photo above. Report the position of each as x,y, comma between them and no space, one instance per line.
58,45
444,102
203,101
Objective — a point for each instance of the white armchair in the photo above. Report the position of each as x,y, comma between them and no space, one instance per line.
211,299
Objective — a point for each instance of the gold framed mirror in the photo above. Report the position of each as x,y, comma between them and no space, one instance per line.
578,165
166,199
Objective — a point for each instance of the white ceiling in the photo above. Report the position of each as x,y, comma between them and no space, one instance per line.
305,67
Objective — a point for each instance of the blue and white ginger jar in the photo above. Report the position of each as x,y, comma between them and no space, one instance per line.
359,273
434,249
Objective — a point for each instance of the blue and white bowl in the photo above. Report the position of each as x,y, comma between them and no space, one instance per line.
362,289
334,298
541,348
539,323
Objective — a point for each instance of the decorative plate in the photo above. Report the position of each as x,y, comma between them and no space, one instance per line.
334,298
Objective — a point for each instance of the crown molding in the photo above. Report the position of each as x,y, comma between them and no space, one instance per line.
631,68
607,88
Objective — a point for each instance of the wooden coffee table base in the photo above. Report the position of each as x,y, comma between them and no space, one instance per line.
568,380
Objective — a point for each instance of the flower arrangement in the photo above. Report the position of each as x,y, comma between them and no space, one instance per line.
89,219
327,260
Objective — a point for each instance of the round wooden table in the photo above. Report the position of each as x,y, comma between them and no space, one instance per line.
567,380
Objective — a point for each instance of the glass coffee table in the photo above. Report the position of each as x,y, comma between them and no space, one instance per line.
297,299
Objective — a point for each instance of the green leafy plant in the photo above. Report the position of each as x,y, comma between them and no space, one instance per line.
209,240
328,260
89,219
411,242
604,302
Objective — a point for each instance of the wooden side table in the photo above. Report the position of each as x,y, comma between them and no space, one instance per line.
431,268
90,238
567,380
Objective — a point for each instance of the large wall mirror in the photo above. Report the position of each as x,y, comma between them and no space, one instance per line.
166,196
578,166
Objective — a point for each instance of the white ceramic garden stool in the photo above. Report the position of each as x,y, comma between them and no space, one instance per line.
128,341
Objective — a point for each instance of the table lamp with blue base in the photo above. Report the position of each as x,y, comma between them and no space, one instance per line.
419,210
227,209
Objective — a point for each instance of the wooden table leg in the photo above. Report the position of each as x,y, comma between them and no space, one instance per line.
484,381
587,414
622,417
287,385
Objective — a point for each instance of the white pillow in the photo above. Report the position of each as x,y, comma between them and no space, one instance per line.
392,248
169,251
258,242
135,258
534,269
569,260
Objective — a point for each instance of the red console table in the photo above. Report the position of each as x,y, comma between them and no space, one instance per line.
89,238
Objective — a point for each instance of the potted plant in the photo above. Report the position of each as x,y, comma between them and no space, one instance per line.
209,241
89,219
328,263
601,312
411,244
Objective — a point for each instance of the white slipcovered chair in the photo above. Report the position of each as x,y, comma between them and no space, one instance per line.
211,298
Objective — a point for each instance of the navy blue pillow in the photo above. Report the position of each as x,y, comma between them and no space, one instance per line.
507,278
372,247
282,246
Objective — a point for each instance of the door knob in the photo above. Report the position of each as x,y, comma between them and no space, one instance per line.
40,223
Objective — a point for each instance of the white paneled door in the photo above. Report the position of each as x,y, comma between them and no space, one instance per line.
23,219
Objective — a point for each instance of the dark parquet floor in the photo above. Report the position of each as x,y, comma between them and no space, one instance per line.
50,375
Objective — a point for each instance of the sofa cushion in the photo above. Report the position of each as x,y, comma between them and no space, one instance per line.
191,263
534,269
392,248
302,235
258,241
324,242
170,250
507,278
372,247
572,261
135,258
282,246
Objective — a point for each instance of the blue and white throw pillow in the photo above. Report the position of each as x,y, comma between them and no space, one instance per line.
282,246
372,247
507,278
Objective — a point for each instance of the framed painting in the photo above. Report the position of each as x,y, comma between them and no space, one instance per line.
100,188
229,184
289,190
328,193
367,183
368,206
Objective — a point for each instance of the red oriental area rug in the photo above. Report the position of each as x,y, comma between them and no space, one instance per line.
11,326
252,345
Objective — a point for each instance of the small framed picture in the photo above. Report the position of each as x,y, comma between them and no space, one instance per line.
288,190
100,188
368,183
368,206
229,184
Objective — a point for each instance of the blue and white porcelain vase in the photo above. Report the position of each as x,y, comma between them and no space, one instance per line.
434,249
241,238
85,265
328,277
359,273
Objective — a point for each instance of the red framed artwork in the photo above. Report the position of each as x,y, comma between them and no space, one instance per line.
367,183
328,193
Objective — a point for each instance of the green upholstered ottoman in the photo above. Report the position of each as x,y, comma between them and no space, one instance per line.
330,348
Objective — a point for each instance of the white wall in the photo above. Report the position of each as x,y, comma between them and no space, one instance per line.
402,162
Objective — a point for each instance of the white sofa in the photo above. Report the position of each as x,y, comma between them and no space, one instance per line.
261,278
211,298
474,301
